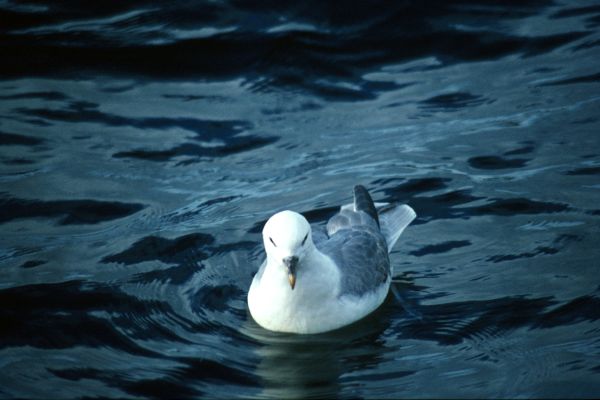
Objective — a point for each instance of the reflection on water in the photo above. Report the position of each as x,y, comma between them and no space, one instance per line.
315,366
142,148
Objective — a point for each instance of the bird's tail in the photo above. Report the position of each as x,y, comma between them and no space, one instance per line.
394,218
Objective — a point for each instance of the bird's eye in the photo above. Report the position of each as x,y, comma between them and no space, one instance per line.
304,240
271,239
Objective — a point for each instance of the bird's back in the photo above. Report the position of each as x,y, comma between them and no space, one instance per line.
357,246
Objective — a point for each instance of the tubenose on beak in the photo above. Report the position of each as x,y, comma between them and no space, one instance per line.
291,263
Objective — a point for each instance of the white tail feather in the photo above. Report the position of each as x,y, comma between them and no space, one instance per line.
393,220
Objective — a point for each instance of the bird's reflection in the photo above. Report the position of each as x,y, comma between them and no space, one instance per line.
313,366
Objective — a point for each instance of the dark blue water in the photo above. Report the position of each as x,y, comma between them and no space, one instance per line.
143,145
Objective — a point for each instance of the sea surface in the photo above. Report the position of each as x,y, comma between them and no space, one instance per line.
144,144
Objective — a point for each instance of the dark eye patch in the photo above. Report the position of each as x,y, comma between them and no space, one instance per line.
304,240
271,239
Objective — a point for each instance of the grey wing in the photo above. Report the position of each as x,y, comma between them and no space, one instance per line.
349,219
361,255
362,214
357,246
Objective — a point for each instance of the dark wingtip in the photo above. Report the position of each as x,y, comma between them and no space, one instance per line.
364,202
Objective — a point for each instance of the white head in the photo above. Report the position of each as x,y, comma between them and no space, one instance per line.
287,237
